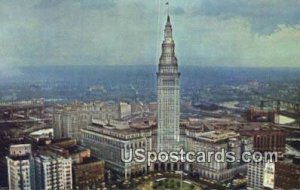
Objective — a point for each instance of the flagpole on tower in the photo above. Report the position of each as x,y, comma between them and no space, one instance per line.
167,3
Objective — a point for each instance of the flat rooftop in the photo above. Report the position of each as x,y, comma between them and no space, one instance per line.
259,126
90,160
215,136
76,149
23,157
124,134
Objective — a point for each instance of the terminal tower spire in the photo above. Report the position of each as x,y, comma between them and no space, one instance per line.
168,95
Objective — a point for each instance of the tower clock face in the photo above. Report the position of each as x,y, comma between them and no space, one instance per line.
169,40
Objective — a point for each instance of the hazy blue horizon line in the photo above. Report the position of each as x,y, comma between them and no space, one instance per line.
151,65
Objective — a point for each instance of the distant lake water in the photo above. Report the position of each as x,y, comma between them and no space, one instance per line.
93,74
68,83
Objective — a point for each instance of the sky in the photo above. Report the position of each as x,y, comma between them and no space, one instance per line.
233,33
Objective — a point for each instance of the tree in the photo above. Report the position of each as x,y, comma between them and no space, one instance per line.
172,185
166,184
160,183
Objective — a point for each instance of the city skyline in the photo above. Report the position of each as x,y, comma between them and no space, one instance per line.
209,33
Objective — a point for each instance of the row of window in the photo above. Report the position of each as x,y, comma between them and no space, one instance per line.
139,144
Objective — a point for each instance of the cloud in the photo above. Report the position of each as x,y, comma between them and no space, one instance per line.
46,4
206,32
96,4
231,42
264,16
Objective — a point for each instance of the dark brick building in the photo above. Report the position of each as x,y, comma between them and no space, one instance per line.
89,174
287,175
258,115
266,138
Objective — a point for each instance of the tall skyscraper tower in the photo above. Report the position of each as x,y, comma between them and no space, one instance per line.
168,96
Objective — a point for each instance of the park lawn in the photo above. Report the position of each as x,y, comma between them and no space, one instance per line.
173,184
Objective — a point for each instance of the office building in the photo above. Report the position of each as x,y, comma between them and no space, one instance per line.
52,172
266,137
287,174
89,174
20,168
69,119
168,95
106,142
217,142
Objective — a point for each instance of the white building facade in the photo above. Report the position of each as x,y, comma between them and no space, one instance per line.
53,172
20,167
255,175
69,119
216,167
20,173
108,144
